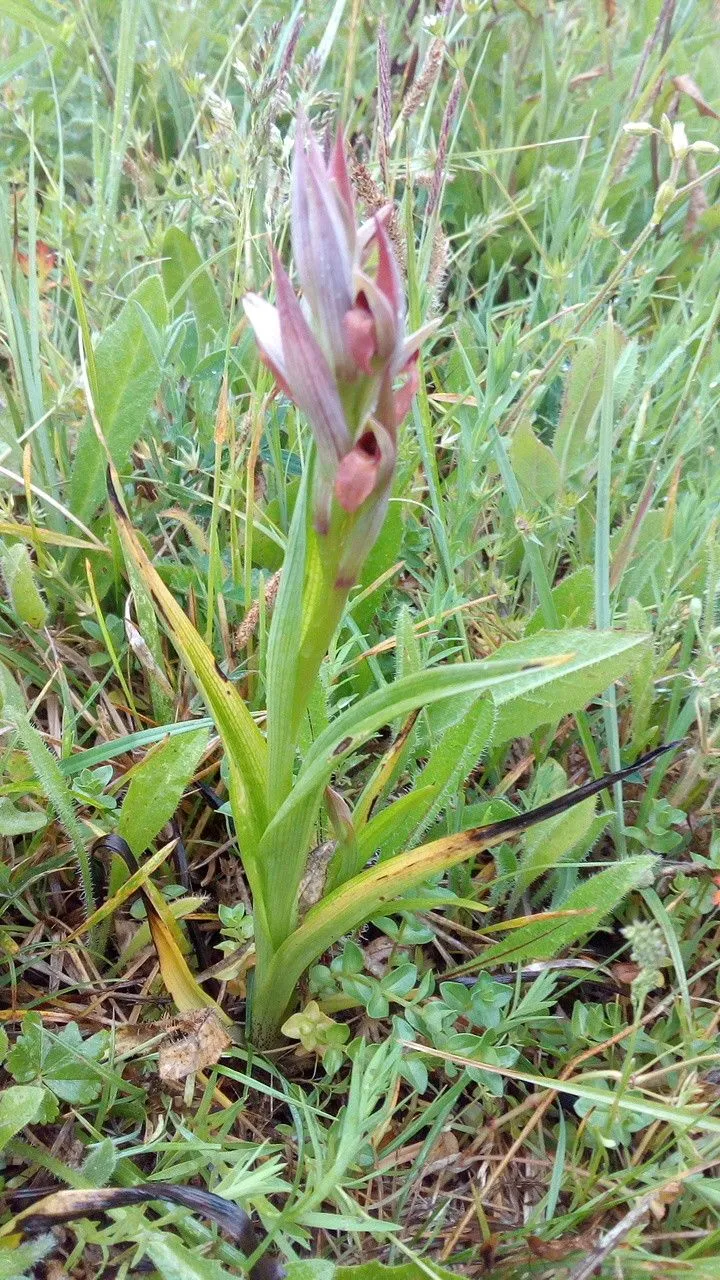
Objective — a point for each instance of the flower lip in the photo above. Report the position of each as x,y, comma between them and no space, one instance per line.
358,474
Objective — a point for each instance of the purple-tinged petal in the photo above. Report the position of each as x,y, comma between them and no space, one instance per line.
309,378
265,322
368,230
321,244
328,285
338,171
388,277
414,341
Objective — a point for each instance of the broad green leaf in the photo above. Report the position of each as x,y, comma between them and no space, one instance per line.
543,696
545,845
157,786
19,822
311,1269
532,682
185,275
583,392
595,898
244,745
20,1105
128,377
535,465
574,601
175,1261
23,593
99,1164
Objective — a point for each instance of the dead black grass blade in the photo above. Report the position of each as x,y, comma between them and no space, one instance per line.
65,1206
521,822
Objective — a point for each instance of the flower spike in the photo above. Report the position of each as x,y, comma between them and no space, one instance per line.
343,356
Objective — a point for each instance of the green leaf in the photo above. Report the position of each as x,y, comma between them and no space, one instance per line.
157,786
535,465
573,599
19,1106
549,842
19,822
100,1162
450,762
47,771
24,596
175,1261
186,276
595,898
128,375
311,1269
583,392
595,660
21,1260
64,1063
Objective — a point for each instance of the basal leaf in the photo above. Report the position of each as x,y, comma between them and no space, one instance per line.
244,745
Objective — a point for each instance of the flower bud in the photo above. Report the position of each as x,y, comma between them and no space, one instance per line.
666,193
638,128
679,145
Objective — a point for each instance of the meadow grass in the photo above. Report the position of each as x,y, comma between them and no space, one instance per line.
558,469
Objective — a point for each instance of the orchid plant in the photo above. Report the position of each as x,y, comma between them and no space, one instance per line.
341,353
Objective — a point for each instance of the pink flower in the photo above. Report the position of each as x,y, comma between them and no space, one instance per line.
343,355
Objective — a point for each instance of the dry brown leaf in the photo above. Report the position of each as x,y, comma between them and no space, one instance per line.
625,972
377,953
686,85
200,1040
563,1247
